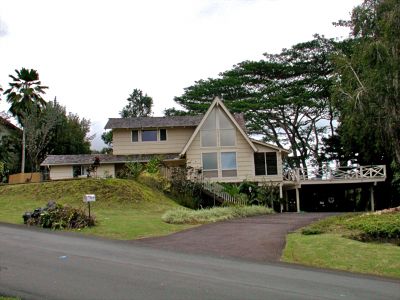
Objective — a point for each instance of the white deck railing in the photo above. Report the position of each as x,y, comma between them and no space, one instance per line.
218,190
343,173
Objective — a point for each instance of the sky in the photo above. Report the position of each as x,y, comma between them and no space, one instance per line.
93,53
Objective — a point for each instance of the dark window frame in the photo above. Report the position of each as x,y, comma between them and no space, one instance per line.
265,163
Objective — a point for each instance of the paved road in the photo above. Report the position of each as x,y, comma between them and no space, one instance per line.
36,264
260,238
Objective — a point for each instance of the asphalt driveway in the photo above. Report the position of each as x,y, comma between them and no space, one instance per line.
260,238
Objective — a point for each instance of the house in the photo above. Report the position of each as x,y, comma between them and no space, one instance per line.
218,148
216,144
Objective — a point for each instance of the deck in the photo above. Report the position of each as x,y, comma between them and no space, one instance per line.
348,175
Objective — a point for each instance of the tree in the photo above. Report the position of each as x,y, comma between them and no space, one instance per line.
39,127
24,93
139,105
70,135
285,97
367,94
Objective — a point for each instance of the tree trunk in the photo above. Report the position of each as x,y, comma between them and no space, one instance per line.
23,152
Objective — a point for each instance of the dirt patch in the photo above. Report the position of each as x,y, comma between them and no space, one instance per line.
260,238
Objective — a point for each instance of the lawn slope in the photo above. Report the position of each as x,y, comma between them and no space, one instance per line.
124,209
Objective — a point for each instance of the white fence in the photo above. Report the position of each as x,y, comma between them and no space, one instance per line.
359,173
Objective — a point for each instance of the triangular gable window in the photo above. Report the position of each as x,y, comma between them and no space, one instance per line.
217,130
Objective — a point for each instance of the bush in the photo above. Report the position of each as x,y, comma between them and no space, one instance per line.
131,170
375,226
57,216
153,166
155,181
209,215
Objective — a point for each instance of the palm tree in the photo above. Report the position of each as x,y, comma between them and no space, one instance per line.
24,92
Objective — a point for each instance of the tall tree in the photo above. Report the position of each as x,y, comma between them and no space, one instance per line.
39,127
71,133
139,105
25,92
368,91
285,97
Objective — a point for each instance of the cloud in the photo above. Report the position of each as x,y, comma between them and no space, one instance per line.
3,28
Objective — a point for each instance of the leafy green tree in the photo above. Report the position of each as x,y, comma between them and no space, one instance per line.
139,105
39,127
368,90
285,97
71,133
25,92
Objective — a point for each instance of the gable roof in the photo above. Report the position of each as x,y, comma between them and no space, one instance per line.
87,159
8,124
153,122
270,146
217,102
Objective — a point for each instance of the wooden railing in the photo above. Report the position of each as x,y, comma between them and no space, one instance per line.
218,190
343,173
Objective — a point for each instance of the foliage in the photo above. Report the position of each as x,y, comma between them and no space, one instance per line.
368,90
215,214
39,127
107,138
139,105
57,216
131,170
155,181
70,135
25,90
186,192
285,97
376,226
153,165
268,194
10,152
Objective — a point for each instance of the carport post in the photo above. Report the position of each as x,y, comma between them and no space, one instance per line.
297,199
372,198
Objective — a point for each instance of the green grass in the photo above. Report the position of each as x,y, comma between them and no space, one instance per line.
335,243
124,209
202,216
336,252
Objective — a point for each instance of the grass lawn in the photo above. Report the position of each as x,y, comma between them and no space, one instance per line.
124,209
331,249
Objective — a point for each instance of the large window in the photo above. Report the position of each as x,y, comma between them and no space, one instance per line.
210,164
265,163
228,164
149,135
217,130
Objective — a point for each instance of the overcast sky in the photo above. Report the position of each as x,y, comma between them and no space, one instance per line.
93,53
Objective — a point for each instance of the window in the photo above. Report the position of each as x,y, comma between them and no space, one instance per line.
265,163
149,135
218,130
228,164
210,165
163,134
135,136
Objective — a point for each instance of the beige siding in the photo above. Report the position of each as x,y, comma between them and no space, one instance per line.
65,172
176,140
60,172
244,160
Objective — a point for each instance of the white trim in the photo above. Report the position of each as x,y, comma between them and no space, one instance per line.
216,101
270,146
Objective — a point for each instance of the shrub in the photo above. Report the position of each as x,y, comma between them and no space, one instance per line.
156,181
153,166
376,226
57,216
208,215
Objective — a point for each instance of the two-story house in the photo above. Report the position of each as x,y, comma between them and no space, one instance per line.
216,144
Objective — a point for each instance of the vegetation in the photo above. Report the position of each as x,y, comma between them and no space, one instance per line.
215,214
354,242
25,92
139,105
124,209
57,216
